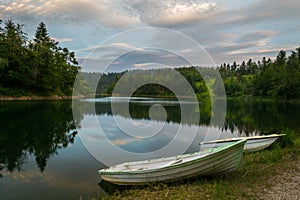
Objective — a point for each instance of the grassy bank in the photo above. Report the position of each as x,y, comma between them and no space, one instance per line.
256,175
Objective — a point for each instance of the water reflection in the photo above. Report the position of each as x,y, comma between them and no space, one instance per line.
40,150
118,136
242,119
69,174
258,117
40,129
36,129
247,118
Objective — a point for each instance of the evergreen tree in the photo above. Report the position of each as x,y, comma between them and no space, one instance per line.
35,67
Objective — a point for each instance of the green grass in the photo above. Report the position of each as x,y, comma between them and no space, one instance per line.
248,182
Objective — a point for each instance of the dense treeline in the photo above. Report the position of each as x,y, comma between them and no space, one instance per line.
105,83
279,79
41,67
158,82
34,67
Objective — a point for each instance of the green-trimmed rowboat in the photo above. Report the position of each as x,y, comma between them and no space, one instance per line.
218,160
253,144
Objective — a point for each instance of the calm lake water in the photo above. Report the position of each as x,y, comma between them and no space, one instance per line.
47,153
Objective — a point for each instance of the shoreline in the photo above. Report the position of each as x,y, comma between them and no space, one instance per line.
269,174
56,97
37,98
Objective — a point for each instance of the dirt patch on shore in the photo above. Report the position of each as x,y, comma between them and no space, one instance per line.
285,185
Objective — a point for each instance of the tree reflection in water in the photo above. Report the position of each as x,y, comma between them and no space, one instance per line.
37,129
246,117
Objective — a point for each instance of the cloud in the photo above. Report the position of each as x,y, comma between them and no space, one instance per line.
126,45
75,11
265,12
255,54
255,36
227,48
170,13
227,31
278,9
260,28
261,51
61,40
138,65
145,59
233,43
111,47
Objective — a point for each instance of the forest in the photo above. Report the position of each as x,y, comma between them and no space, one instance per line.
279,78
41,67
34,67
265,79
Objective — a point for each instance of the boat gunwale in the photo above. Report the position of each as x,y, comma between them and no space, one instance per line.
247,138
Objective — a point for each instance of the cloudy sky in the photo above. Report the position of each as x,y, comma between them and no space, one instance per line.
227,30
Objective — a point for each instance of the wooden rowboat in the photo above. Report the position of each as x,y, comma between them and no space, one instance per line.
253,144
225,158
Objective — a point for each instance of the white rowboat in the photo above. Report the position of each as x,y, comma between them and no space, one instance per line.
253,144
225,158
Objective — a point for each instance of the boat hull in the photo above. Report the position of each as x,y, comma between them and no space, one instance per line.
253,144
258,145
206,163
